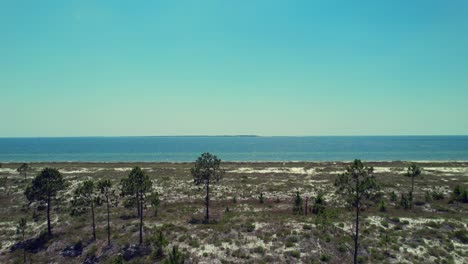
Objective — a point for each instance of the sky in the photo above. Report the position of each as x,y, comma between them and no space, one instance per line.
213,67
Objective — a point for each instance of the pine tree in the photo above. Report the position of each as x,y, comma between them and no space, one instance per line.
356,185
108,196
44,189
207,171
23,169
413,172
21,230
84,200
297,209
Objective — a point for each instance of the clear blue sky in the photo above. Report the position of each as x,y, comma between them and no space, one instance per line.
106,68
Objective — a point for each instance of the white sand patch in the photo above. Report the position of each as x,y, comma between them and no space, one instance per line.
377,221
389,170
419,251
441,189
347,227
6,244
78,171
122,169
260,225
418,222
8,170
334,172
288,170
447,170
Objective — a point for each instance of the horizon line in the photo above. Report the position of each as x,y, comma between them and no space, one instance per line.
242,135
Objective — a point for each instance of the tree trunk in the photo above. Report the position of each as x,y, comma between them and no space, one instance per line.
411,194
49,229
138,204
141,218
207,218
307,200
356,237
108,221
24,251
94,225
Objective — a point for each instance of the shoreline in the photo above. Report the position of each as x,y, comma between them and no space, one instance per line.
241,162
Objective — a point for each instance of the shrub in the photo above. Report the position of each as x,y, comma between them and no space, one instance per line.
249,227
295,254
460,194
405,201
259,250
325,257
194,243
382,206
261,198
319,204
461,235
393,196
428,197
175,256
437,195
159,242
92,251
297,209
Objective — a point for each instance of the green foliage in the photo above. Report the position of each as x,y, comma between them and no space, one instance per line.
83,198
249,226
405,201
319,204
118,260
428,197
159,242
298,208
155,202
437,195
92,251
325,257
45,186
23,169
461,235
207,169
295,254
105,189
136,186
107,195
326,218
21,227
4,183
261,198
393,196
413,171
460,194
175,256
382,206
358,183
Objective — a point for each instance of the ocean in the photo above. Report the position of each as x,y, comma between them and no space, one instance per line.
234,148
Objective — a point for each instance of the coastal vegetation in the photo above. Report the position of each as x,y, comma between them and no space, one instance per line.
275,212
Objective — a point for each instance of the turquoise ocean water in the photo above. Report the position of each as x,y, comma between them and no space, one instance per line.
232,148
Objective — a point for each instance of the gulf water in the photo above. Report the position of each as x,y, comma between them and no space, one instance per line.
234,148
